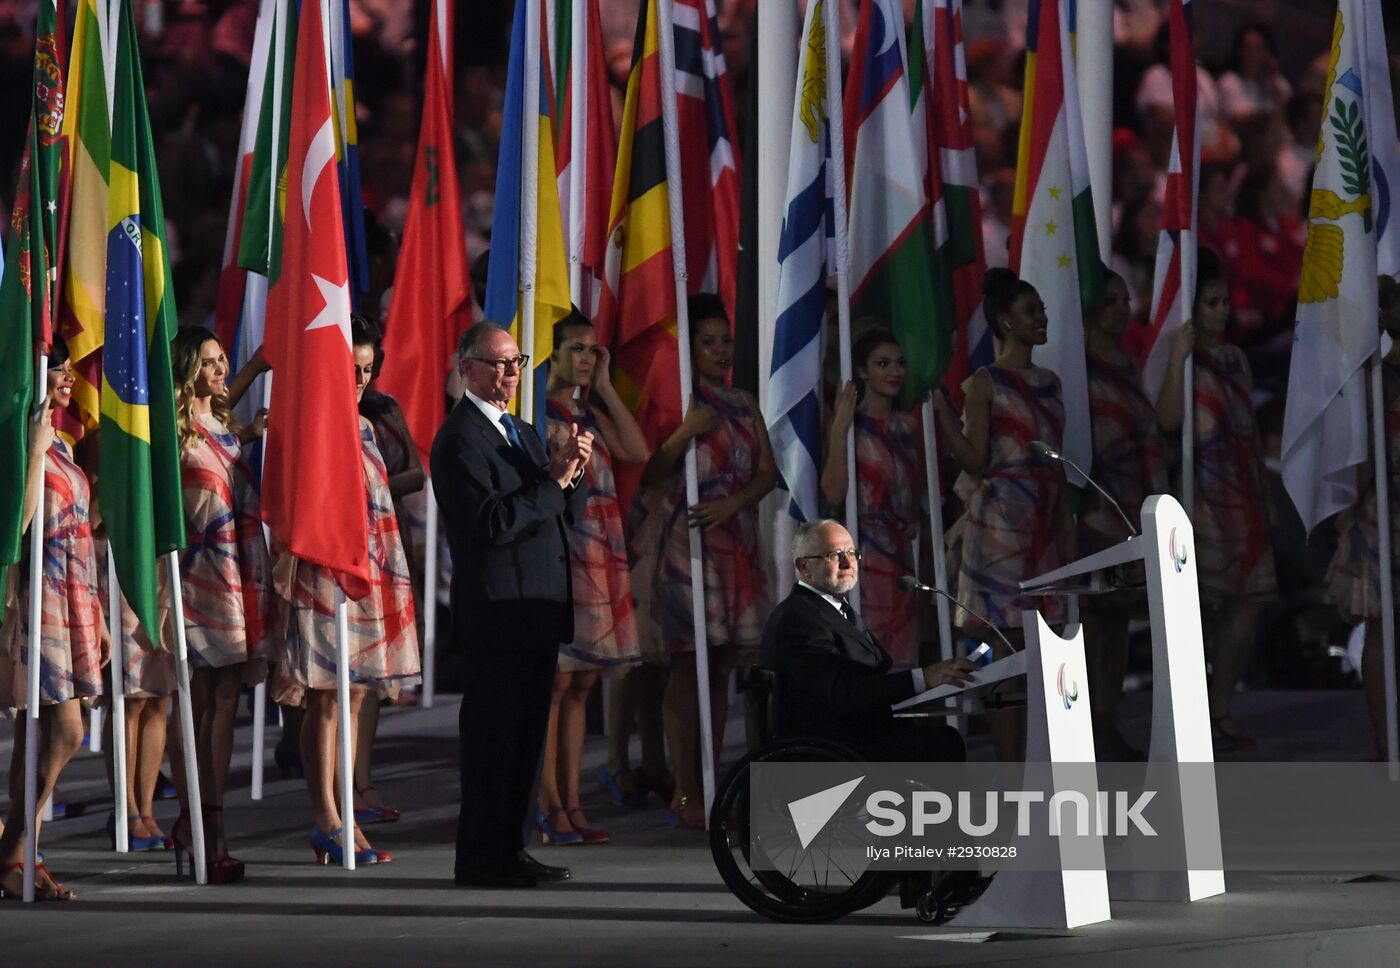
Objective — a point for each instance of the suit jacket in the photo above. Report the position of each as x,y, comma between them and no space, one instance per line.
507,527
832,678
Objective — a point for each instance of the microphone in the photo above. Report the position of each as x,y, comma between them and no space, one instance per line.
1044,453
910,585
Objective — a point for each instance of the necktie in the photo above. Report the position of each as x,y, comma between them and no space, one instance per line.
512,432
847,611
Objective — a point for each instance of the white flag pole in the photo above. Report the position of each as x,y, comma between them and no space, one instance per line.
530,197
674,188
836,125
260,690
345,747
935,510
1188,378
1382,475
430,585
118,693
35,658
578,149
1093,64
186,711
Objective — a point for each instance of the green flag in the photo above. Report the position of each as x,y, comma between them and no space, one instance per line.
139,487
256,245
26,300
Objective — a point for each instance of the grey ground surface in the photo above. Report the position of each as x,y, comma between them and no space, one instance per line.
651,897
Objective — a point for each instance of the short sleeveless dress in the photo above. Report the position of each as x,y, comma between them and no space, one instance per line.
71,613
736,592
225,576
383,641
1234,552
1008,532
148,673
605,625
889,505
1354,576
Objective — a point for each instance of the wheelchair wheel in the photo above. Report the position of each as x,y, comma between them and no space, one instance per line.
824,882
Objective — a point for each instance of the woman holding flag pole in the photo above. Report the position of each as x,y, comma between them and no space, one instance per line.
72,633
1231,512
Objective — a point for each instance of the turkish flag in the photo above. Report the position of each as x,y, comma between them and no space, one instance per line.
429,308
314,497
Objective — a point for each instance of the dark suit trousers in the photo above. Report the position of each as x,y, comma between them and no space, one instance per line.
503,722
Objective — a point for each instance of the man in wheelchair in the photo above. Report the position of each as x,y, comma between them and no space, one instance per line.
830,678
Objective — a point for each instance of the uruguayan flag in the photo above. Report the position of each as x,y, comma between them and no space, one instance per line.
805,261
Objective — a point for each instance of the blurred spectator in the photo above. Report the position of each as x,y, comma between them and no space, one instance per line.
999,191
1157,111
1253,85
994,95
1135,250
1298,155
1265,266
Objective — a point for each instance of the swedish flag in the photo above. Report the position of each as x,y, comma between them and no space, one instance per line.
139,486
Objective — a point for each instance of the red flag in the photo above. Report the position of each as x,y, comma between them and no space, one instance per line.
314,496
430,307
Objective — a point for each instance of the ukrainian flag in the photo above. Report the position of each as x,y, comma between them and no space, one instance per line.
508,233
139,485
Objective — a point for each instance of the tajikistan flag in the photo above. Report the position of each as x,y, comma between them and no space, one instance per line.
1054,245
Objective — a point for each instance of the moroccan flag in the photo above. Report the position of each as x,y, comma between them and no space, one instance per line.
948,130
585,146
1174,278
1353,234
87,128
892,271
26,297
139,446
313,479
640,292
431,305
1054,244
709,143
520,247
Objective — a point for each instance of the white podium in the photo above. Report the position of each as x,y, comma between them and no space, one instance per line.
1180,708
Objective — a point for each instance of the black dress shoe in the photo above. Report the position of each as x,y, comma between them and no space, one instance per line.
542,872
508,874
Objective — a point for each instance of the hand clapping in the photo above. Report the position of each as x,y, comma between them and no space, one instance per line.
571,456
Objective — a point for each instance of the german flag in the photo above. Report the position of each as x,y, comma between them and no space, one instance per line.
637,314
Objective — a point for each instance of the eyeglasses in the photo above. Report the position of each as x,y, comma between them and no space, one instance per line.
832,557
500,366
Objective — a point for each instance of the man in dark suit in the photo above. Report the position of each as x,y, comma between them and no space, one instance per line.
506,505
832,678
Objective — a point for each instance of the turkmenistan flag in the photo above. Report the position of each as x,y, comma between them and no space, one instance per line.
891,245
26,302
139,488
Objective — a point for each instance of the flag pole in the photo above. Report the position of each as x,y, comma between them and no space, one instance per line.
530,195
837,126
578,147
118,679
667,55
260,690
345,748
430,584
35,658
187,740
1093,64
935,511
1382,471
1188,378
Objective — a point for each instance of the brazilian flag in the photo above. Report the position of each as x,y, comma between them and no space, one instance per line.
139,483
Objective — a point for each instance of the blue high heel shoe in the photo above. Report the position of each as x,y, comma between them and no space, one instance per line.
550,835
133,842
328,849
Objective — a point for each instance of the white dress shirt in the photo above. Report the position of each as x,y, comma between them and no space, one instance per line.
493,413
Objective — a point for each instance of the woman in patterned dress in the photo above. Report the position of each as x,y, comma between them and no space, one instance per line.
1017,522
148,679
735,469
73,636
382,645
605,629
224,575
889,489
406,479
1354,578
1234,553
1130,461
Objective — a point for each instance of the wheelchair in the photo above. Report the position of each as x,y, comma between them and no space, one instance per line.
827,880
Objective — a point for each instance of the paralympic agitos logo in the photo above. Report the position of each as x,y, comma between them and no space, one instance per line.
1177,552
